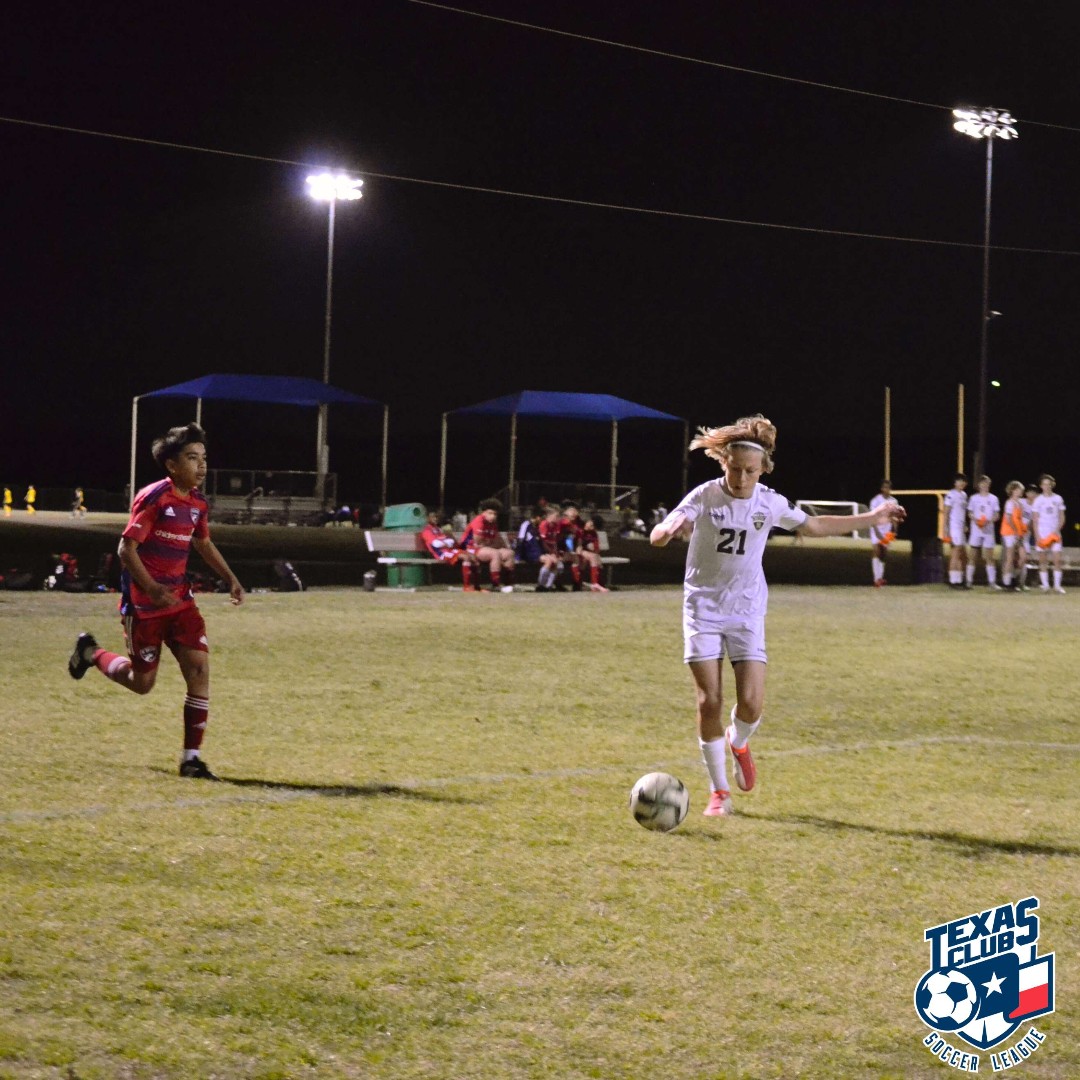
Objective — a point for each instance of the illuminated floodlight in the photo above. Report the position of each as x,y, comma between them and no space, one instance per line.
986,123
329,187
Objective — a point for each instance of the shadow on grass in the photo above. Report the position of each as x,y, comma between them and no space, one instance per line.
334,791
963,843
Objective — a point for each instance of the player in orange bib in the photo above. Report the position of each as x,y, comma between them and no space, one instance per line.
1013,529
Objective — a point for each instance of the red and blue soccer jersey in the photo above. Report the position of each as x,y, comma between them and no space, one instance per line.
163,523
481,533
441,544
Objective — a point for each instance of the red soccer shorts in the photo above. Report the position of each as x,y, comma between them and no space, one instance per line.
183,630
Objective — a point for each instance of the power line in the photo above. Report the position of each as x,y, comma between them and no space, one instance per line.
712,219
706,63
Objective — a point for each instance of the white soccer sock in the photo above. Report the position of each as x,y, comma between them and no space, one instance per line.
1044,579
1006,577
1057,579
969,572
955,577
714,754
190,755
879,568
991,573
742,731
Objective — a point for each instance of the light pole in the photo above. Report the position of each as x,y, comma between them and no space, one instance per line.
988,124
328,187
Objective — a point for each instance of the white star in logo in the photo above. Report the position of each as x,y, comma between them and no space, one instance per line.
994,985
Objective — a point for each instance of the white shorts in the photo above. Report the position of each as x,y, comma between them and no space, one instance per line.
956,534
737,638
981,537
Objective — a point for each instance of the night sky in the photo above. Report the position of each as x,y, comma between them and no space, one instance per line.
130,267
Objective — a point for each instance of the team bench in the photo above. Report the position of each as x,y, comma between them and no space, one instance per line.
410,551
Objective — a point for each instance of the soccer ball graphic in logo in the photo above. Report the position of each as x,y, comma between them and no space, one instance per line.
659,801
947,1000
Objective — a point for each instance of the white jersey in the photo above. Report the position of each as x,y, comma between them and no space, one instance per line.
879,532
956,503
723,564
1050,512
983,508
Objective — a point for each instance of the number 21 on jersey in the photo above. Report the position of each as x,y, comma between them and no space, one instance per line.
732,542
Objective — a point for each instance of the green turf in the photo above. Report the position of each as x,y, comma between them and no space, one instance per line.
424,865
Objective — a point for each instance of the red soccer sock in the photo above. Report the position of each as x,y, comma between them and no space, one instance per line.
495,577
113,666
466,573
594,574
575,573
196,711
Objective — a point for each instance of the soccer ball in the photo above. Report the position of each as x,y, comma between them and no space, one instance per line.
659,801
947,999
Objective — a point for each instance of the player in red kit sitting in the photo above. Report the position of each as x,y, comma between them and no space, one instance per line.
440,542
590,554
157,608
483,540
570,542
550,562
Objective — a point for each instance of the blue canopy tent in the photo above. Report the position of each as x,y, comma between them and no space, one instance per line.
265,389
561,406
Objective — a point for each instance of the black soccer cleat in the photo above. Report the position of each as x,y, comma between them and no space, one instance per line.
82,658
196,769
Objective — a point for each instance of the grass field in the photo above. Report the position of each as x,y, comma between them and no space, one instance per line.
423,864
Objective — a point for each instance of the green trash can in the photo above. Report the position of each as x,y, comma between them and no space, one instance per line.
405,517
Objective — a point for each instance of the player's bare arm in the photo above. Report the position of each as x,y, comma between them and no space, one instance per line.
213,558
128,552
667,529
838,524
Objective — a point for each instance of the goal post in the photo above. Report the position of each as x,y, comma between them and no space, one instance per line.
822,507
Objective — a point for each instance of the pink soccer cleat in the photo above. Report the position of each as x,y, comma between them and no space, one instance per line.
719,805
745,773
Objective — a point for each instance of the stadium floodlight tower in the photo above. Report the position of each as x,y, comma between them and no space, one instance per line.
329,188
988,124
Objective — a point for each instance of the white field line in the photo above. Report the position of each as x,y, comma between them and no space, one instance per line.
272,795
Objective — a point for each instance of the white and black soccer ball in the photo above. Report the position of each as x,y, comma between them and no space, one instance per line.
659,801
947,1000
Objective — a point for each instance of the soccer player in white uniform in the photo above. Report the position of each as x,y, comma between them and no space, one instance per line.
725,596
984,509
956,529
1048,522
1031,493
881,536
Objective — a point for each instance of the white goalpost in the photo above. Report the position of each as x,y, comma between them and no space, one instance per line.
820,507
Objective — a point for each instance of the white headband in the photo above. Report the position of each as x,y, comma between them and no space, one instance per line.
752,445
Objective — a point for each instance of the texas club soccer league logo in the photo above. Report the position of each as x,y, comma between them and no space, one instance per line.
986,978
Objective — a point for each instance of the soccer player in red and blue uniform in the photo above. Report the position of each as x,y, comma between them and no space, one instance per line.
157,608
483,540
